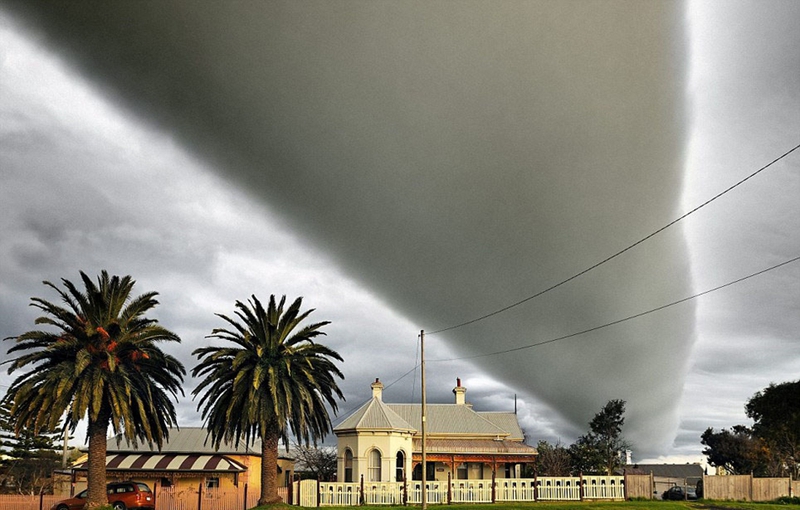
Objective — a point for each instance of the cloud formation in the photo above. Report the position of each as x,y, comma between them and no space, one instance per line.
453,161
450,162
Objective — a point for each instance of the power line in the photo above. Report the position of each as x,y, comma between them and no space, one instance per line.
619,321
617,254
349,411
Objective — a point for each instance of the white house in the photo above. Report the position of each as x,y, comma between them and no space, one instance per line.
382,442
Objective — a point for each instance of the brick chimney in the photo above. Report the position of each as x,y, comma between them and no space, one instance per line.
460,392
377,389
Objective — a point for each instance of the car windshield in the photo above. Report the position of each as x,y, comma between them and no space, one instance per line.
143,487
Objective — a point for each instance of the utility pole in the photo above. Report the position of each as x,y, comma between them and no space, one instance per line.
66,446
422,413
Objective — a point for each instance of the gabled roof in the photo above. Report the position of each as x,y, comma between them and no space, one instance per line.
186,440
374,415
443,419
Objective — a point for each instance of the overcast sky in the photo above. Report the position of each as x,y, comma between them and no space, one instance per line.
411,166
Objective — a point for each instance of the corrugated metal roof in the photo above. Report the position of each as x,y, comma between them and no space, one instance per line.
449,419
374,415
188,440
506,421
169,462
475,446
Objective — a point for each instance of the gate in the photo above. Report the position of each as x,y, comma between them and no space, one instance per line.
306,493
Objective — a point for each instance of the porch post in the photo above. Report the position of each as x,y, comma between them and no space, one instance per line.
493,483
449,488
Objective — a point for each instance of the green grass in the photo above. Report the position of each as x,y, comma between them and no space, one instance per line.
586,505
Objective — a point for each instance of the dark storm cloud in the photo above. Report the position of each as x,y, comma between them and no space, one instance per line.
452,159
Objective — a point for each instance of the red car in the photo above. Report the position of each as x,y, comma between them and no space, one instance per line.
121,496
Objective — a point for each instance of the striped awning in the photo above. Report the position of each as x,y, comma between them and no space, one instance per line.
168,462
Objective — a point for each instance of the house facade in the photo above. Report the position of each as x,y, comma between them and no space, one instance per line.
186,461
383,442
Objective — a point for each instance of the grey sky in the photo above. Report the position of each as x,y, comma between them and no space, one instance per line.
407,166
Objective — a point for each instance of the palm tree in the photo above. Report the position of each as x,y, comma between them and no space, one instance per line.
102,362
274,381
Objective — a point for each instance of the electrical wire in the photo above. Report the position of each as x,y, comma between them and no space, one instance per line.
619,321
617,254
350,411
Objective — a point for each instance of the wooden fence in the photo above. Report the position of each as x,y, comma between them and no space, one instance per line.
748,488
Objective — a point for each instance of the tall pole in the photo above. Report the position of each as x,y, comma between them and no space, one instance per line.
422,386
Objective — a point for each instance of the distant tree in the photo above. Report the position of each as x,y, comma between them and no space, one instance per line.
319,463
738,450
776,415
100,362
552,460
26,443
274,381
603,449
586,456
606,426
31,458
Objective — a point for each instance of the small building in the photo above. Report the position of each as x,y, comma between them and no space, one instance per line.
383,442
187,460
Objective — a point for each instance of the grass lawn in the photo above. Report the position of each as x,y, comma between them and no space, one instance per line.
587,505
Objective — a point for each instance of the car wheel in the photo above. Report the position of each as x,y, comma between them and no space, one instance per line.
62,507
119,505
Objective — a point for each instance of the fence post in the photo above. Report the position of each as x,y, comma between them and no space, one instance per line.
494,485
449,489
405,491
41,500
200,496
361,497
318,490
536,484
625,484
580,485
244,504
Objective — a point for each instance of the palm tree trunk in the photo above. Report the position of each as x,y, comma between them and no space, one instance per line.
269,468
97,461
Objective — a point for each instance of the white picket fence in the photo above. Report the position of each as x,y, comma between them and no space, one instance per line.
310,493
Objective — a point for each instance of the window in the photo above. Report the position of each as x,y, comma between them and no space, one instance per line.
348,466
400,467
374,466
461,471
212,483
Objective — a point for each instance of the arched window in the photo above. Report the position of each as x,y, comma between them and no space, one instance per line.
374,466
348,465
400,467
